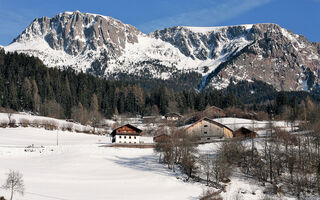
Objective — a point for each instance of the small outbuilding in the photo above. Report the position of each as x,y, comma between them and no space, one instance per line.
161,138
244,133
172,116
207,130
126,134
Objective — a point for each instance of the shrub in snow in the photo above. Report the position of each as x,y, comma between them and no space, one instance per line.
36,123
268,197
24,122
210,195
2,198
70,127
100,132
67,127
13,124
50,125
78,129
87,130
4,124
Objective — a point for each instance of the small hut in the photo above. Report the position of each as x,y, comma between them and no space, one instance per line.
173,116
161,138
244,133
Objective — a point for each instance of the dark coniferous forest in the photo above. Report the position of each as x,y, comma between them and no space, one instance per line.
27,85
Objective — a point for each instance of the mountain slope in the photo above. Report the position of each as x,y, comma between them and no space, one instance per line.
109,48
278,57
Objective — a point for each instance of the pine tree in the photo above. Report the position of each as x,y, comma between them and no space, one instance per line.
36,97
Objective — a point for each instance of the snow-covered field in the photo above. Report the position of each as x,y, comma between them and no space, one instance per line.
79,169
259,126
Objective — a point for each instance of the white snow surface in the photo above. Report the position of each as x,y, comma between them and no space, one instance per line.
21,117
38,47
146,49
214,28
79,169
262,126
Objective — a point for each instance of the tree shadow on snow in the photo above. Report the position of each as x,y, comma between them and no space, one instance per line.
148,163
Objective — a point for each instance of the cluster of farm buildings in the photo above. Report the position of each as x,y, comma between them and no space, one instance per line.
204,130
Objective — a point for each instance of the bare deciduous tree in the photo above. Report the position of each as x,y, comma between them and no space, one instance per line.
14,183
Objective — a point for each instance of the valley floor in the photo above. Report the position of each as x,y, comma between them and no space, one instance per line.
79,169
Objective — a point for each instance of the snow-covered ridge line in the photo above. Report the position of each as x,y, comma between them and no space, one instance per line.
107,47
92,14
24,119
214,28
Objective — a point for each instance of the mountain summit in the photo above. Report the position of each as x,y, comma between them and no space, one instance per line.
220,55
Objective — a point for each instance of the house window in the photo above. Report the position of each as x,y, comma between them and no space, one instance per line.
129,137
130,142
119,141
134,142
208,138
206,125
125,142
125,137
119,136
135,137
205,132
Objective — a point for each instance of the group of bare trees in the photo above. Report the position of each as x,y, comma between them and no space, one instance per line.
217,166
178,149
283,158
81,114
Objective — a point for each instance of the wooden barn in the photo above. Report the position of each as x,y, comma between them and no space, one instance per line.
244,133
161,138
207,130
214,112
126,134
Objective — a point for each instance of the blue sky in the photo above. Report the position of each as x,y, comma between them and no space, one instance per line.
299,16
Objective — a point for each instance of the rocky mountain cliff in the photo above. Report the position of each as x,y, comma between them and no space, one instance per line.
220,55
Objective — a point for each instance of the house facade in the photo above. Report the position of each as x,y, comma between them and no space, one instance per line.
126,134
207,130
172,116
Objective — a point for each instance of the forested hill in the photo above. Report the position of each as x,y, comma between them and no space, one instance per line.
26,84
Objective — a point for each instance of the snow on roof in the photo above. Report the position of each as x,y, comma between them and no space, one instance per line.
210,121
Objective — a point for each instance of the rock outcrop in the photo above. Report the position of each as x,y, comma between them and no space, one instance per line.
109,48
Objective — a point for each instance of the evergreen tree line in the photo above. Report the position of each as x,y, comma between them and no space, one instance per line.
28,85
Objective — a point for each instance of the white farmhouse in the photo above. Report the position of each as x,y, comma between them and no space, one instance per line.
126,134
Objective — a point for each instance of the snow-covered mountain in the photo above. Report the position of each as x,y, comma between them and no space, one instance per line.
107,47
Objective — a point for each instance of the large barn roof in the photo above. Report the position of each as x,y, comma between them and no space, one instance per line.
210,121
114,132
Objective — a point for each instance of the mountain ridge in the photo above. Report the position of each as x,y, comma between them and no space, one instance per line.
107,47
